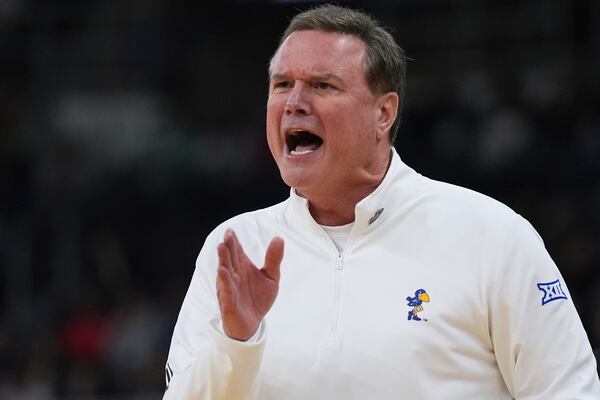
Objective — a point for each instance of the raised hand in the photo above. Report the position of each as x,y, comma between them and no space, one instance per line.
246,292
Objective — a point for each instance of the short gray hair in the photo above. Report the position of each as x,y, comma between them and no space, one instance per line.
385,62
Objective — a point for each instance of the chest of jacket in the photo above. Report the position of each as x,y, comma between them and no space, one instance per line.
383,310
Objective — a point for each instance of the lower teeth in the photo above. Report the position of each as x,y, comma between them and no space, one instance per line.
297,153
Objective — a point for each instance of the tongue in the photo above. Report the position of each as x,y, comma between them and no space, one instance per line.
305,148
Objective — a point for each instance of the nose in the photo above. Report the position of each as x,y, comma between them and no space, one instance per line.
297,102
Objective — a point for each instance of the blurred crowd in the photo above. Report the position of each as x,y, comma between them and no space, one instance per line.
128,130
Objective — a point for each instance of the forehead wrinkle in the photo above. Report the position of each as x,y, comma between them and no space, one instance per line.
297,51
339,73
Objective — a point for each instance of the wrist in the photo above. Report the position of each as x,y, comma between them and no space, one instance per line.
240,333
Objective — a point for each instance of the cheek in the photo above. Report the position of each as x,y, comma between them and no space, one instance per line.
273,121
272,140
352,127
273,114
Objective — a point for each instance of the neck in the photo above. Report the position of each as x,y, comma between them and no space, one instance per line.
336,212
336,206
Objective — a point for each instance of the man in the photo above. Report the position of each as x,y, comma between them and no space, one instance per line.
391,285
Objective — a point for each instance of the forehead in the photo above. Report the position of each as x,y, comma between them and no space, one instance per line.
319,52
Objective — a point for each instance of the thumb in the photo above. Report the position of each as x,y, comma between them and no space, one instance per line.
273,258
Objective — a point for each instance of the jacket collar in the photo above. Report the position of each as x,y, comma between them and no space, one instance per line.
370,212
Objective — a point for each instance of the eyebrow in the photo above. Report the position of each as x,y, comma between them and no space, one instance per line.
322,77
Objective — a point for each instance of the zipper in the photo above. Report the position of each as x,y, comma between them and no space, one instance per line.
337,294
333,338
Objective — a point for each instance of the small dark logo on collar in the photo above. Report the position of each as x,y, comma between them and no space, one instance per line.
375,216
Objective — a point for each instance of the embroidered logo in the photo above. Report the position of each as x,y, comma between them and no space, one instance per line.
416,303
375,216
552,291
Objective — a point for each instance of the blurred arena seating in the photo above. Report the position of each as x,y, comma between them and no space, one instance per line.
129,129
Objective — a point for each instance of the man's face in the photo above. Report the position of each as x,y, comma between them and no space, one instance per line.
322,119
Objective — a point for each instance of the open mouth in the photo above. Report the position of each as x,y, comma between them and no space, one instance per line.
300,142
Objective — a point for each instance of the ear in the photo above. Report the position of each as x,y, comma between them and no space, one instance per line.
387,110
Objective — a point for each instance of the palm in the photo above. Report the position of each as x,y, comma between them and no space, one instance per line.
246,293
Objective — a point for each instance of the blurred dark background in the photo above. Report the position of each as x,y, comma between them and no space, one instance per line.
129,129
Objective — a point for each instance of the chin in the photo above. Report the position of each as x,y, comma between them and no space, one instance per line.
298,180
291,180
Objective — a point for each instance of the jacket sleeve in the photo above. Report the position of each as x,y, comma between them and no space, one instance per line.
541,347
203,363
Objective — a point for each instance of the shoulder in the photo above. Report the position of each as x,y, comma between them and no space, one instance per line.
464,206
255,219
252,224
472,219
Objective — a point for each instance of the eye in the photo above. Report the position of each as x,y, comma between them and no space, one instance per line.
282,85
323,86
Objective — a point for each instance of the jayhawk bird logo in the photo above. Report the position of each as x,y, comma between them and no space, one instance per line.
416,302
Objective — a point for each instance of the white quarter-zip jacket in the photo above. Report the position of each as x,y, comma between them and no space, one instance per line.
439,293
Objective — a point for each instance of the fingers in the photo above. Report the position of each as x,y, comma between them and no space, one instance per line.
226,276
230,248
225,287
273,258
232,255
224,255
239,250
236,251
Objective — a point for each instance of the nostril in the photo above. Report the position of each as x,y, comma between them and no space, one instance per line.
290,109
296,104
